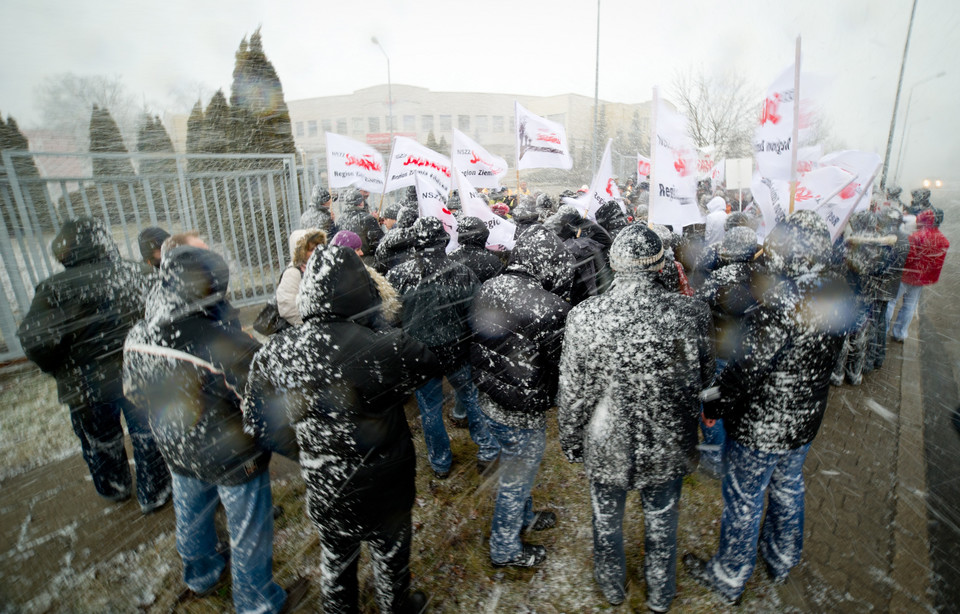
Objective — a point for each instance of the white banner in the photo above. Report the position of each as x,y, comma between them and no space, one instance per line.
718,174
643,169
602,190
432,202
352,163
541,143
863,164
772,197
471,203
831,193
673,200
410,158
481,167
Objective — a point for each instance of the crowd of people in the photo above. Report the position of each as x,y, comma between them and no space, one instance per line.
640,337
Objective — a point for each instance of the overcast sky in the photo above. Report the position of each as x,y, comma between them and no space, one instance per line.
166,51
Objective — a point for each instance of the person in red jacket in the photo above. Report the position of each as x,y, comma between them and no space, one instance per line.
928,250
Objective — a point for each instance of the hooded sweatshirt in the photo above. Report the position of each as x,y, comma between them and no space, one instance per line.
79,318
187,364
341,384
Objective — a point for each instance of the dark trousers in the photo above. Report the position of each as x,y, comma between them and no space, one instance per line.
98,427
389,543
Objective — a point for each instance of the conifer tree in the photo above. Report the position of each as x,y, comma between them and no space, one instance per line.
195,135
153,138
105,138
432,142
261,120
26,168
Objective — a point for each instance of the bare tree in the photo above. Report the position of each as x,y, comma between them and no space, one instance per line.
721,109
65,101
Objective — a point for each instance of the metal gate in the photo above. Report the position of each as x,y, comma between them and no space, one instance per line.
243,205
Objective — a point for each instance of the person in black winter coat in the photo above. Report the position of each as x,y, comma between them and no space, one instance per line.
342,384
518,320
318,214
74,331
611,218
356,219
634,362
472,234
890,222
398,244
436,293
187,363
586,241
729,291
772,396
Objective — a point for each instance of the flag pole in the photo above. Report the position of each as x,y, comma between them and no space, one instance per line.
862,194
796,127
653,156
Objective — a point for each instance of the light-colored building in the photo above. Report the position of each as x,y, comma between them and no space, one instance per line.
488,118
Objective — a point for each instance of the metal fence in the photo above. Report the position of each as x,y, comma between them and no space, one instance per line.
243,205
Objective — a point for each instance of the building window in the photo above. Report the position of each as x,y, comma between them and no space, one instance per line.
357,123
409,123
513,123
559,118
483,123
426,123
446,123
300,129
498,123
374,124
341,126
463,122
388,122
325,123
312,127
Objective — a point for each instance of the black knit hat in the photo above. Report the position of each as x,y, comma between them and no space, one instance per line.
150,239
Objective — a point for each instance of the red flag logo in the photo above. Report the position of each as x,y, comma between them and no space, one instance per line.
769,114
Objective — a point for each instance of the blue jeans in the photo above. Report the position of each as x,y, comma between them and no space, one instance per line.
750,474
521,451
98,427
660,514
911,298
430,401
249,509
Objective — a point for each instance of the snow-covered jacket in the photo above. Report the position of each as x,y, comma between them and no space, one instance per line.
396,247
518,324
473,252
928,251
341,384
366,227
79,318
318,216
187,364
436,293
773,392
633,364
729,293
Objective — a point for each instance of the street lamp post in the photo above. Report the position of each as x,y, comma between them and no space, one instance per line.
374,40
906,117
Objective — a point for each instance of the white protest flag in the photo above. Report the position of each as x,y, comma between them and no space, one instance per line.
643,169
773,139
863,164
541,143
410,158
772,197
718,174
705,162
830,192
432,202
501,231
673,197
481,167
352,163
602,190
808,158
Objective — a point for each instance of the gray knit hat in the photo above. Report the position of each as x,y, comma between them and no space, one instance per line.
636,248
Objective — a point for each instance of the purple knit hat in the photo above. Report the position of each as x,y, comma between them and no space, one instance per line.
346,238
